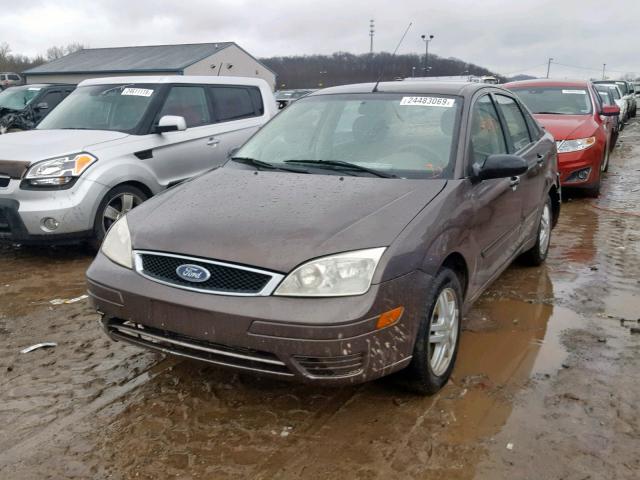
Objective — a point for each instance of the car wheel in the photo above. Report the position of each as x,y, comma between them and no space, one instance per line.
604,166
116,203
438,337
538,253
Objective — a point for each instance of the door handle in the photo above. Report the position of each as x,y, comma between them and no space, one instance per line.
212,142
514,182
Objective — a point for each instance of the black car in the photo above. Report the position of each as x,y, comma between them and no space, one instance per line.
21,108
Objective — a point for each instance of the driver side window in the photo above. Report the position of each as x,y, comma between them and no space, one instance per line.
487,137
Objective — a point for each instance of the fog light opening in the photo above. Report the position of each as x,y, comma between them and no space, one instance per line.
389,318
49,224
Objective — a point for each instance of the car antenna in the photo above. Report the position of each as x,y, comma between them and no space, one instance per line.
375,87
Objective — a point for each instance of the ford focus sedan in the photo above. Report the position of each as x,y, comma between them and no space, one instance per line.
573,113
343,242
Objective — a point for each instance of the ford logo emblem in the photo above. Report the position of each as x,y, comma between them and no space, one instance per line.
193,273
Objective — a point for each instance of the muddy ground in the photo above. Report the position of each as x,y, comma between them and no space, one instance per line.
547,384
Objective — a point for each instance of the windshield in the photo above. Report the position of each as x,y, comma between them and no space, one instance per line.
556,100
102,107
16,98
623,87
605,95
400,135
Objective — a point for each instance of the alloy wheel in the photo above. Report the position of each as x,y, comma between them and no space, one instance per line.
117,207
443,332
545,229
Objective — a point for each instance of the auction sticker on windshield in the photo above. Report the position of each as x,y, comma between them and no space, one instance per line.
138,92
575,92
428,101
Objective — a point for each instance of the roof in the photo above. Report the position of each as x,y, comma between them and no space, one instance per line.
151,58
548,82
438,88
162,79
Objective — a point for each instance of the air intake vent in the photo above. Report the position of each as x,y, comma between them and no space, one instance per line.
342,366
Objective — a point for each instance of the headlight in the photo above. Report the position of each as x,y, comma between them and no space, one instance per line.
117,244
59,171
333,276
567,146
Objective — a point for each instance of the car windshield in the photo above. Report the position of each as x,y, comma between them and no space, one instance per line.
102,107
605,95
623,87
16,98
556,100
408,136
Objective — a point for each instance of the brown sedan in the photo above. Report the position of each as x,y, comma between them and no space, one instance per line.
343,242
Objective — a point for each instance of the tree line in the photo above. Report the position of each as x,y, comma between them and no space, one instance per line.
15,62
314,71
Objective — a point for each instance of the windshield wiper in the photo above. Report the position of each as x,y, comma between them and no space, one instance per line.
555,113
262,164
335,164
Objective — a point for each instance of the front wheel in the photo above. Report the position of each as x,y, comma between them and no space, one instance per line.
115,204
538,253
436,346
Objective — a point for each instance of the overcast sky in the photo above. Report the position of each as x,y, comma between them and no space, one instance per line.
516,36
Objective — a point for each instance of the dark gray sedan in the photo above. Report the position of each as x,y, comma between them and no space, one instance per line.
341,243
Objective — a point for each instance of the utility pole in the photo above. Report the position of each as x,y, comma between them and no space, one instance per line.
604,66
372,31
549,66
426,39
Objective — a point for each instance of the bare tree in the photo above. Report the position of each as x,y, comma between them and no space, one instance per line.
55,52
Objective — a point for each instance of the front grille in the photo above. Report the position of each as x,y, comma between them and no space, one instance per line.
184,346
224,279
4,222
341,366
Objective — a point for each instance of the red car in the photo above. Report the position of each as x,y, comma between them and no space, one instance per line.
574,114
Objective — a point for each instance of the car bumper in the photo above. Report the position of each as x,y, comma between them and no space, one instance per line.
22,213
572,163
331,341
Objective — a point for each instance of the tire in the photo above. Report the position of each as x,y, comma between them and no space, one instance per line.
425,374
118,198
537,254
604,166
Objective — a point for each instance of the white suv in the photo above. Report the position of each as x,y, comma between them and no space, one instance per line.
113,143
10,79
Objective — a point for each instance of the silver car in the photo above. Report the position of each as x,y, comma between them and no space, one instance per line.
115,142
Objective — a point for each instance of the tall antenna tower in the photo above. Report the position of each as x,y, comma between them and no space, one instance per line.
372,32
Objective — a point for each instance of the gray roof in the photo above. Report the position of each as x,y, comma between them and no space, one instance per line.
152,58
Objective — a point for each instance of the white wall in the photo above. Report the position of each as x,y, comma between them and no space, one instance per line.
243,65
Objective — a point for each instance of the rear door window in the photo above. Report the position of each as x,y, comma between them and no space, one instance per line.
189,102
233,103
516,123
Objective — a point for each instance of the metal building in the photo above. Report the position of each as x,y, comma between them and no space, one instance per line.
224,58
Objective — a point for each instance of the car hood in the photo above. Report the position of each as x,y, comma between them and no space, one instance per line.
567,127
277,220
35,145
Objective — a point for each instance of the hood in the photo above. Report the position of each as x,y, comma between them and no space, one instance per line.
277,220
567,127
20,149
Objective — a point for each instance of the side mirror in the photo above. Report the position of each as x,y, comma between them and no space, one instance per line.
42,106
500,166
171,123
610,111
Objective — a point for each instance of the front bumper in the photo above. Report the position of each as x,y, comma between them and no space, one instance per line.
331,341
23,211
569,164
